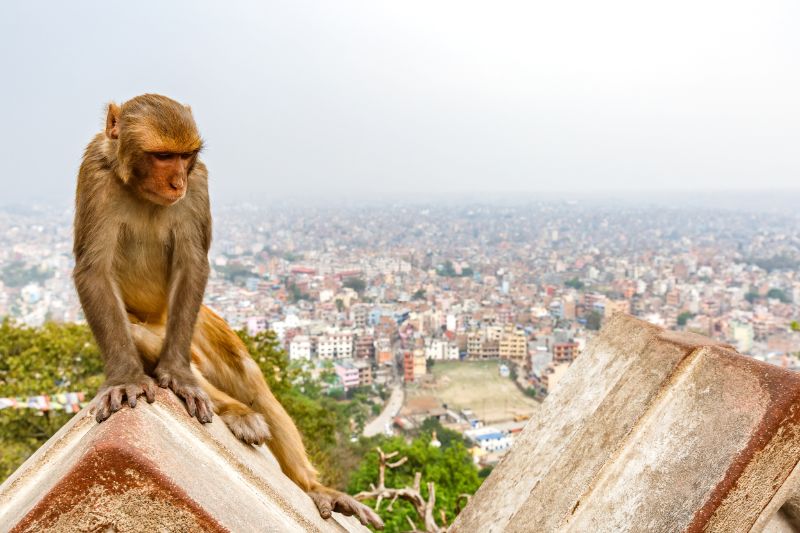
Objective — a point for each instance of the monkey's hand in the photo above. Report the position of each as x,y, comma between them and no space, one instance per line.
111,395
183,383
329,500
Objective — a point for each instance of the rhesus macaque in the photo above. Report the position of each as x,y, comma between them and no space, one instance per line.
142,233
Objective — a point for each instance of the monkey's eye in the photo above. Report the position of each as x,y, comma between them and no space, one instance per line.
187,156
163,156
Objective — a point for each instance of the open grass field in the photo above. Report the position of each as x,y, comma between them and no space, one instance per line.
477,385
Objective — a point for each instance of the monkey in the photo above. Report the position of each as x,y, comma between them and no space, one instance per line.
142,232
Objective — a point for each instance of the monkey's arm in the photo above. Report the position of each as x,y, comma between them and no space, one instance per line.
105,313
188,277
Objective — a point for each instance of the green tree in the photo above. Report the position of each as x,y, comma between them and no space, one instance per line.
447,437
357,284
575,283
63,357
16,274
777,294
33,361
594,320
795,325
450,468
295,294
684,317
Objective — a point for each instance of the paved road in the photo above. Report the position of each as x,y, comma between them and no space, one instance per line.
378,425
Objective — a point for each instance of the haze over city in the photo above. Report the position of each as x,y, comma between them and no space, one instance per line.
370,100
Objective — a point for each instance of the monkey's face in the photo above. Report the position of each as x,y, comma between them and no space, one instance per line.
164,176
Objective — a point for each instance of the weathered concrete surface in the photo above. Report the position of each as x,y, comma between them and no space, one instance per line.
650,431
153,468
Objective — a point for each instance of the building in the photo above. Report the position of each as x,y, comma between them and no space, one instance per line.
474,344
441,350
383,351
743,335
565,352
337,345
300,348
420,364
359,313
256,325
414,365
408,366
364,372
489,439
348,374
513,346
365,347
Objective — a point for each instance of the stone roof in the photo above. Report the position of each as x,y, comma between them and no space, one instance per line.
153,467
651,430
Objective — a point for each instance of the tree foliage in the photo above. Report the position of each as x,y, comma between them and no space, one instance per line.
64,357
449,467
357,284
594,320
17,273
684,317
53,359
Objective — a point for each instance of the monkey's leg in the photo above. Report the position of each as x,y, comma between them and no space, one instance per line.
244,423
148,339
224,360
287,447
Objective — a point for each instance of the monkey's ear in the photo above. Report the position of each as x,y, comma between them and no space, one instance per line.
112,121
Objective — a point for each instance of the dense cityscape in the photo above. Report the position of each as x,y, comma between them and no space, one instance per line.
413,295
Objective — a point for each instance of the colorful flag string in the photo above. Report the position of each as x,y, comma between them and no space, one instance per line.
71,402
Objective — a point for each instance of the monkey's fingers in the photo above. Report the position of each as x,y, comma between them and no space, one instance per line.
349,506
204,411
115,399
149,390
190,405
131,393
323,503
103,409
197,403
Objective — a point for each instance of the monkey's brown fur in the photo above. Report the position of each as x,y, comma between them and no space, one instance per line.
142,233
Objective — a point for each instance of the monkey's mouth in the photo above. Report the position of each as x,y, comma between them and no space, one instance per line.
162,198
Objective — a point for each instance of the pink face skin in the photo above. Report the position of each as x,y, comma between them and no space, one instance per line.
167,177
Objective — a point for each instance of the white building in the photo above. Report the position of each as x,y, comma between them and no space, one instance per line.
439,350
300,348
337,345
489,439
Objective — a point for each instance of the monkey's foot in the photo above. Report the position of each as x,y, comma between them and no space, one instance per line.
329,500
184,385
111,395
248,427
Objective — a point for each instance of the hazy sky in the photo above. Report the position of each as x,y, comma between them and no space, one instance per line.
332,97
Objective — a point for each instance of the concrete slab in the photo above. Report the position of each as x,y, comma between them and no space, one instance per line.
650,431
153,468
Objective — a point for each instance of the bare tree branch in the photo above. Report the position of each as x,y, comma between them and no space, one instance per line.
423,508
